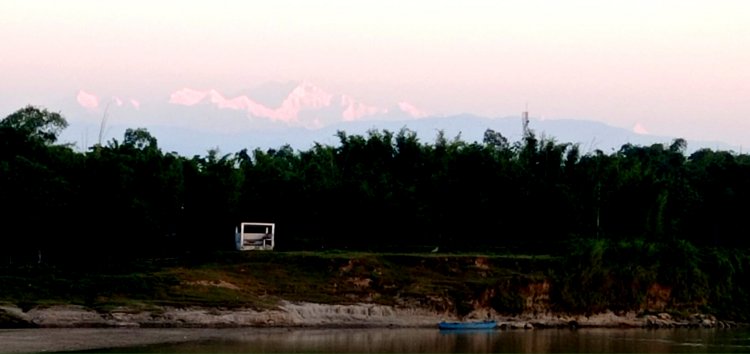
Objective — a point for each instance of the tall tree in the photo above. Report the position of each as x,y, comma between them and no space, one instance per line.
37,123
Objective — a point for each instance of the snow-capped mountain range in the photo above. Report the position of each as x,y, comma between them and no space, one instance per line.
297,109
191,121
305,105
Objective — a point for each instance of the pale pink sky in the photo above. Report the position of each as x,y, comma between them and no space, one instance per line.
677,68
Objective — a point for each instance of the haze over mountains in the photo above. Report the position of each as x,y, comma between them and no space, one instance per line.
190,121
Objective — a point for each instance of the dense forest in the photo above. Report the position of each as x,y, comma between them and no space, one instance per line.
619,222
386,191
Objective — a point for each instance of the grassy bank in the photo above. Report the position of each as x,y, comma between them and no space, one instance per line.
596,276
260,280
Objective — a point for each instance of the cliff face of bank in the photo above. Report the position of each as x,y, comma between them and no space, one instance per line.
321,315
530,303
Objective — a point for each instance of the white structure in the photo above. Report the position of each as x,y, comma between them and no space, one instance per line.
254,236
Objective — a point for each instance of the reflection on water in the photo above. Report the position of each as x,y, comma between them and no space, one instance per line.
435,341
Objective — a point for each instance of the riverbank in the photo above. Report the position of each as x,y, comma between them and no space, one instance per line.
289,314
339,289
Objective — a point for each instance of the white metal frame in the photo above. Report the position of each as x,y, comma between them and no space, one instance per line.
255,241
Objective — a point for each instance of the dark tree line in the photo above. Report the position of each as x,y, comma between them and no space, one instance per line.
384,191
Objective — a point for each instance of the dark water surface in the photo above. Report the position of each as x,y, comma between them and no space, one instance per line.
435,341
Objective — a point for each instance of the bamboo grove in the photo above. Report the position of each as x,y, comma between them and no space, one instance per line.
386,191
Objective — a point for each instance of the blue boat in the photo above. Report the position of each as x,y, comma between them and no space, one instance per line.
488,324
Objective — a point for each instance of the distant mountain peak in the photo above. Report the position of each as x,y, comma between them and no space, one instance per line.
87,100
307,96
639,128
92,103
411,110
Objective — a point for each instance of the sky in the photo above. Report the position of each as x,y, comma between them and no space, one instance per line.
676,68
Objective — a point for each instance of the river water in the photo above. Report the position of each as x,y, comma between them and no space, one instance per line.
399,340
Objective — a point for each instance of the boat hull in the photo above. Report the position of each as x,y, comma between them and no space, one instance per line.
467,325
